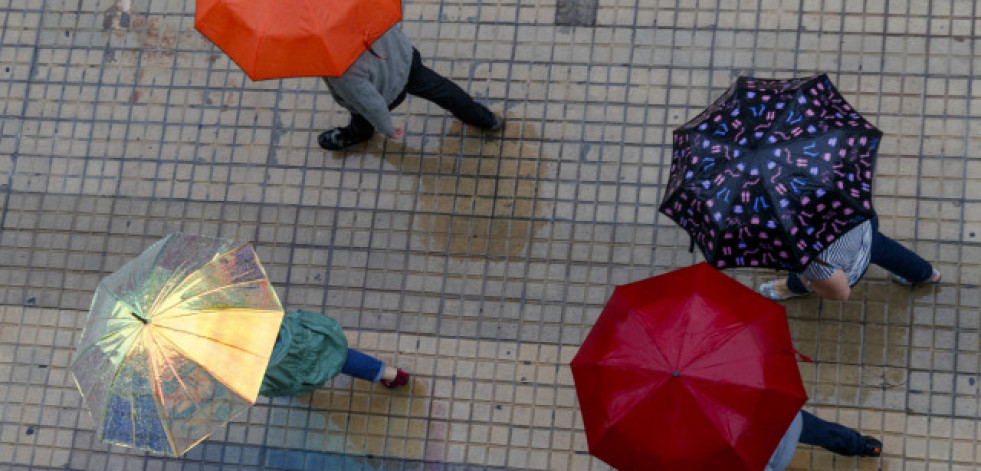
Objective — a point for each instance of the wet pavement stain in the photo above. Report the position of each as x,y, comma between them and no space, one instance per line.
160,35
331,421
352,421
117,17
479,195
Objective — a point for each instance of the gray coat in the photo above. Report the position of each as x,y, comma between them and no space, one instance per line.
371,83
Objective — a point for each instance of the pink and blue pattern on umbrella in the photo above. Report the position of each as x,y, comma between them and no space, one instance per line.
772,173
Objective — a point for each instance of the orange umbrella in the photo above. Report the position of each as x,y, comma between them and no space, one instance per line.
295,38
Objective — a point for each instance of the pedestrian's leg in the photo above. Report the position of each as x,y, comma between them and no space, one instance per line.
795,285
426,83
356,132
363,366
778,290
360,128
899,260
831,436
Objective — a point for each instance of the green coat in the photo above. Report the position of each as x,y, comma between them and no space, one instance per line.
310,349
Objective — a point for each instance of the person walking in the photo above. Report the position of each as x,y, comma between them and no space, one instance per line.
812,430
840,266
378,81
311,349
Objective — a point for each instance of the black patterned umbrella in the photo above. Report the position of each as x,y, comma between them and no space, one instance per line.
772,173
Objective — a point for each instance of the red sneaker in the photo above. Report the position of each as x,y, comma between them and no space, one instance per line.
401,379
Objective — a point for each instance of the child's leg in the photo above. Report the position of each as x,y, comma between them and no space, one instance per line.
363,366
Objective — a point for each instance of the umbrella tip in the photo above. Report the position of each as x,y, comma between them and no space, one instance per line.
675,374
139,317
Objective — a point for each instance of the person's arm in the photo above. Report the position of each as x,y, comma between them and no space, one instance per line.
834,287
361,95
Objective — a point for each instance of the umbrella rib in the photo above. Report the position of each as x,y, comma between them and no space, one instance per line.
691,361
210,373
646,389
313,17
156,261
166,294
213,339
846,196
648,329
202,312
656,345
725,434
267,18
183,385
115,375
733,331
782,223
156,388
773,198
797,92
684,337
695,390
166,290
115,296
95,343
163,310
170,366
163,294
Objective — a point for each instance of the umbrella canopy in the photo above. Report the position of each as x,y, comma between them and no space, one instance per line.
176,343
687,371
772,173
295,38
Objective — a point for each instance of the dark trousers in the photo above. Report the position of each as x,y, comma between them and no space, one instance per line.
831,436
888,254
426,83
362,366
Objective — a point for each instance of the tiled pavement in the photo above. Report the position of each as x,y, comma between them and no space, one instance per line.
477,262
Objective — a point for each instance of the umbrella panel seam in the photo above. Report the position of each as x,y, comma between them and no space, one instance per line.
161,313
161,296
159,396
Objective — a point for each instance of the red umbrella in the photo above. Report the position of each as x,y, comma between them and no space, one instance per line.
687,371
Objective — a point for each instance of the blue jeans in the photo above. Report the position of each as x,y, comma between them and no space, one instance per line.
363,366
886,253
831,436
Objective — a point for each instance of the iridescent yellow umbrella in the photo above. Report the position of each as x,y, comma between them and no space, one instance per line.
176,343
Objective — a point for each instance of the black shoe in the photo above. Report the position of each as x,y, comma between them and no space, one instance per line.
873,447
339,138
